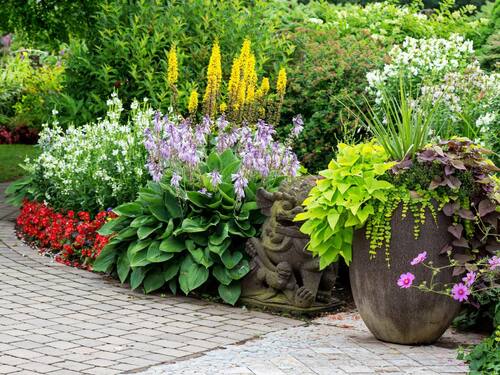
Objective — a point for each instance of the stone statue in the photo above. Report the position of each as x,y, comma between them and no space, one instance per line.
283,274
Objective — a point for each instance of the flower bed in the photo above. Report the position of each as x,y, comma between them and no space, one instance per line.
71,236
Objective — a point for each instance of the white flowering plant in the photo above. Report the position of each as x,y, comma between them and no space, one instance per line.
445,73
93,167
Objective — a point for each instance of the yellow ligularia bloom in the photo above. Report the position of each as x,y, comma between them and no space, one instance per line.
193,102
264,88
223,107
173,69
214,78
281,83
234,81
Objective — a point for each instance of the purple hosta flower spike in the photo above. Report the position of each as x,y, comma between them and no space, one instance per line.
240,183
298,125
460,292
155,170
494,262
405,280
157,122
469,278
175,180
419,258
215,178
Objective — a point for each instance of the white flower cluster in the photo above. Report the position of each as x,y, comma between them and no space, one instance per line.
421,61
95,166
444,72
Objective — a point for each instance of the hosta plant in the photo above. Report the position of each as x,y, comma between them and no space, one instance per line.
188,226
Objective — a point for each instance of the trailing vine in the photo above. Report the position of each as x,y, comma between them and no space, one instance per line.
362,188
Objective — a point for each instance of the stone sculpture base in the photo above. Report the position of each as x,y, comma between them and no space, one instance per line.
282,306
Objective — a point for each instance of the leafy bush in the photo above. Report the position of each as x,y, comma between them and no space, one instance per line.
50,22
484,358
192,222
29,80
489,50
328,70
90,168
183,237
344,200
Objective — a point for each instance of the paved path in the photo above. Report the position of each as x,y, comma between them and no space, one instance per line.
59,320
334,345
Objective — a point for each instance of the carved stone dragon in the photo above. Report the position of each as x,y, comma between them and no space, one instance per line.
283,273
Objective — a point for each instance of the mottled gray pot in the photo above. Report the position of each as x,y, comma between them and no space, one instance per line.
403,316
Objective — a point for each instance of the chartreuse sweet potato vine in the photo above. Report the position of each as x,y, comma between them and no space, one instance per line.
344,200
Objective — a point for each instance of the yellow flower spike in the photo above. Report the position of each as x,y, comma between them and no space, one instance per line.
264,86
281,83
223,107
193,102
214,79
173,68
234,81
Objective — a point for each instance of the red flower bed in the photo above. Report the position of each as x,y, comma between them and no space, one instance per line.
71,236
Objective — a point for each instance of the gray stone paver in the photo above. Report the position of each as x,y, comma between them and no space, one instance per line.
55,319
60,320
336,344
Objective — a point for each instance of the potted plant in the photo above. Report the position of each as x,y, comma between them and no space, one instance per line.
380,205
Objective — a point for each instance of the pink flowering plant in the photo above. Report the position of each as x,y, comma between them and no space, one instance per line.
482,276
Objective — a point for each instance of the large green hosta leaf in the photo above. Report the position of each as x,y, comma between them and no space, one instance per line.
192,275
230,293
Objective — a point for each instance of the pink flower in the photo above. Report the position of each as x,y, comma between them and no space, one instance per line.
419,259
469,278
494,262
460,292
406,279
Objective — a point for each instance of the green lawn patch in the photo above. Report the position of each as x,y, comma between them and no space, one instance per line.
10,158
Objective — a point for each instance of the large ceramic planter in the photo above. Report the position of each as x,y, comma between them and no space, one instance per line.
403,316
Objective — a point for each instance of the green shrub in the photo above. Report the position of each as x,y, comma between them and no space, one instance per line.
328,70
49,22
184,238
29,80
484,358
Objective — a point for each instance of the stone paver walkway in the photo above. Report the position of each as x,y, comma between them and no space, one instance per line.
337,344
59,320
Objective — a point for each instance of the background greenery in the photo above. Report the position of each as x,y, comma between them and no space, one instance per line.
328,49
